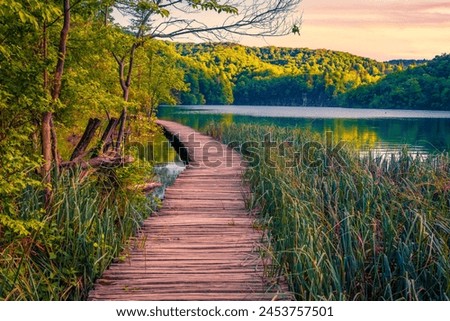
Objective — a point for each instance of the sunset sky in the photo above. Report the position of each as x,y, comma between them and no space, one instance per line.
380,29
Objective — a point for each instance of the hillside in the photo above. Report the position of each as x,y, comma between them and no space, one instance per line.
423,87
230,73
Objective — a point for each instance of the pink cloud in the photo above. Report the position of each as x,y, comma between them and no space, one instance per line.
373,13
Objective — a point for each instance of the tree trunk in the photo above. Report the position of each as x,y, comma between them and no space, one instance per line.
105,141
121,134
126,93
89,133
55,153
56,89
45,54
125,84
49,143
46,137
103,162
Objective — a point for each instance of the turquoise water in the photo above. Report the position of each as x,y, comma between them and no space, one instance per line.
381,130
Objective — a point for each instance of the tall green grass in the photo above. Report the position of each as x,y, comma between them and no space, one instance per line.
61,252
375,229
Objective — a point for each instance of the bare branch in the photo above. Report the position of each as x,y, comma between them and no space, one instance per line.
258,18
117,58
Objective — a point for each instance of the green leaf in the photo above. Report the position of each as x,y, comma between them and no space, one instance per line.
22,16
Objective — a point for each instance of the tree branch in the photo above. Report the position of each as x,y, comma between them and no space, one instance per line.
254,18
56,89
103,162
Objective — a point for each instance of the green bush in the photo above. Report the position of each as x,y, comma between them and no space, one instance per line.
65,249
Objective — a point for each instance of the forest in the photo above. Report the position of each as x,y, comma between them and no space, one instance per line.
424,87
234,74
273,76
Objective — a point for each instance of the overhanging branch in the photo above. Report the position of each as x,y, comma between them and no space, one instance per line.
254,18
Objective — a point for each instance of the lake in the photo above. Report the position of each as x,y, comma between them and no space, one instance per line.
381,130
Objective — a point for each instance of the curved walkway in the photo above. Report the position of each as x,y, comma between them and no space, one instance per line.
202,244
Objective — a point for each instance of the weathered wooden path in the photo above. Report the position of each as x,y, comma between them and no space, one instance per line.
202,244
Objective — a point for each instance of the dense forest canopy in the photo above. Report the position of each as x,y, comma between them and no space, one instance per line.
228,73
276,76
424,87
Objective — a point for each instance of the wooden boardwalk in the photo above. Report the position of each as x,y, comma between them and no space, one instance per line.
201,245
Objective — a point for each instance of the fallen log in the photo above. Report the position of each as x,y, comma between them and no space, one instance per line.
98,162
146,188
89,133
106,140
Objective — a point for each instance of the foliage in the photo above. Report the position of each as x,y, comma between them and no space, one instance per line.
55,252
375,229
16,174
62,252
159,80
426,86
21,98
225,73
229,73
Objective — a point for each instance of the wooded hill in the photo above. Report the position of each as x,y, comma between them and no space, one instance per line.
230,73
234,74
425,87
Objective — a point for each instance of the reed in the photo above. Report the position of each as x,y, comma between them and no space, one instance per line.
67,248
374,229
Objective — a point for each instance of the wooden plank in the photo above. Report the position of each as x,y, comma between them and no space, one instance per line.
193,296
202,244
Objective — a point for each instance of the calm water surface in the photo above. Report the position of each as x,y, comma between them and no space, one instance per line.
381,130
167,164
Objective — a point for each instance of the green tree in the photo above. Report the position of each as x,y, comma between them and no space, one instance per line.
159,79
418,87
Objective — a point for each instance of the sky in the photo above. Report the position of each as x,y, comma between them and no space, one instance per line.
379,29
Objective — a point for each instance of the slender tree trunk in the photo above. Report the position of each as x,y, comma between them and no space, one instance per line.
106,15
56,89
130,71
45,55
121,135
55,153
125,84
49,141
46,137
126,94
46,117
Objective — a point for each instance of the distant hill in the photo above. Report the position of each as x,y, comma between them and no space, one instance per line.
230,73
426,86
408,62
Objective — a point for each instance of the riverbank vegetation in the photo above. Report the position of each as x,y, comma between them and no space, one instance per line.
351,228
58,255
